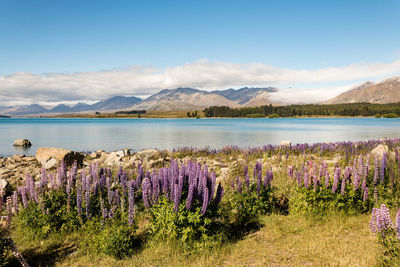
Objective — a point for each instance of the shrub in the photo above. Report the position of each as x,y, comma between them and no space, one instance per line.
390,115
3,246
114,238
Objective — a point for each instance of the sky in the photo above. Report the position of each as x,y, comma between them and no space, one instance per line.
86,50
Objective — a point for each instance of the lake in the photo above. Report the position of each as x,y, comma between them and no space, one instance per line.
137,134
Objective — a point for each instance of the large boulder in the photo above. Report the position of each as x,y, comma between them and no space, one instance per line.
22,142
285,143
114,158
379,150
47,156
149,154
5,187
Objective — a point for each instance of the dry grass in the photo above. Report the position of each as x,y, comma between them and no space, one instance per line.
337,240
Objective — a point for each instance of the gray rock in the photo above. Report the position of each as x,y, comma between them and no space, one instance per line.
22,142
50,164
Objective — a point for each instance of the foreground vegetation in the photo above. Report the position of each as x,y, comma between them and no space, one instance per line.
295,205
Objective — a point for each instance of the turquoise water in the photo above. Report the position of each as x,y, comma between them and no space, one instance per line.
115,134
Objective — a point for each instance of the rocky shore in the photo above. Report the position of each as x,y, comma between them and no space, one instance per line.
14,169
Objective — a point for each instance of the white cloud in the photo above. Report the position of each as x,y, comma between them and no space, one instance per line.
202,74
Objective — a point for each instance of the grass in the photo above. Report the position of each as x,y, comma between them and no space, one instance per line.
336,240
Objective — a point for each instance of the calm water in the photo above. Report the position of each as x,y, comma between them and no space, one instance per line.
115,134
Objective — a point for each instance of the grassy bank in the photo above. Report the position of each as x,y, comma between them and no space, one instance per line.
337,240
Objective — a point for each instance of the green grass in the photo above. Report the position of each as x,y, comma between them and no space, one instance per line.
336,240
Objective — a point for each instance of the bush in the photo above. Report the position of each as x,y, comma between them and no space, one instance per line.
189,227
32,223
3,247
319,202
390,115
114,238
273,115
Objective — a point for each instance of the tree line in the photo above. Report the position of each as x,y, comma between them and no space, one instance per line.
351,109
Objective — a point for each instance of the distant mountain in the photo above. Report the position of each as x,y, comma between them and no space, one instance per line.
183,99
386,91
247,96
22,110
113,103
167,99
116,102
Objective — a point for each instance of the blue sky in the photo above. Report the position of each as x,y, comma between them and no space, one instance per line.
41,37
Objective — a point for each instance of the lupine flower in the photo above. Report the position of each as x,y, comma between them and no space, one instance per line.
146,192
177,197
79,200
15,201
239,185
290,171
382,170
365,195
380,221
9,211
343,187
398,223
247,181
306,180
335,180
190,197
87,204
299,178
131,208
327,179
205,202
212,189
376,171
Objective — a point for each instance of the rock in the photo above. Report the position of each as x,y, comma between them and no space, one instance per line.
94,155
379,150
114,158
149,154
45,154
22,142
285,143
126,151
5,187
50,164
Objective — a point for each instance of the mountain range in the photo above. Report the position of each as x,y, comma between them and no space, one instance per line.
386,91
167,99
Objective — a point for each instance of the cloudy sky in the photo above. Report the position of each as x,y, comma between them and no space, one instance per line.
70,51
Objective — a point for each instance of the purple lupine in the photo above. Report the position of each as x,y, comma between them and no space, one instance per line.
380,221
23,197
376,171
15,201
68,189
87,204
205,202
299,178
306,182
239,184
79,200
327,179
190,196
131,208
247,181
335,180
146,192
9,211
382,170
212,189
365,195
104,213
343,186
290,171
398,223
177,197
